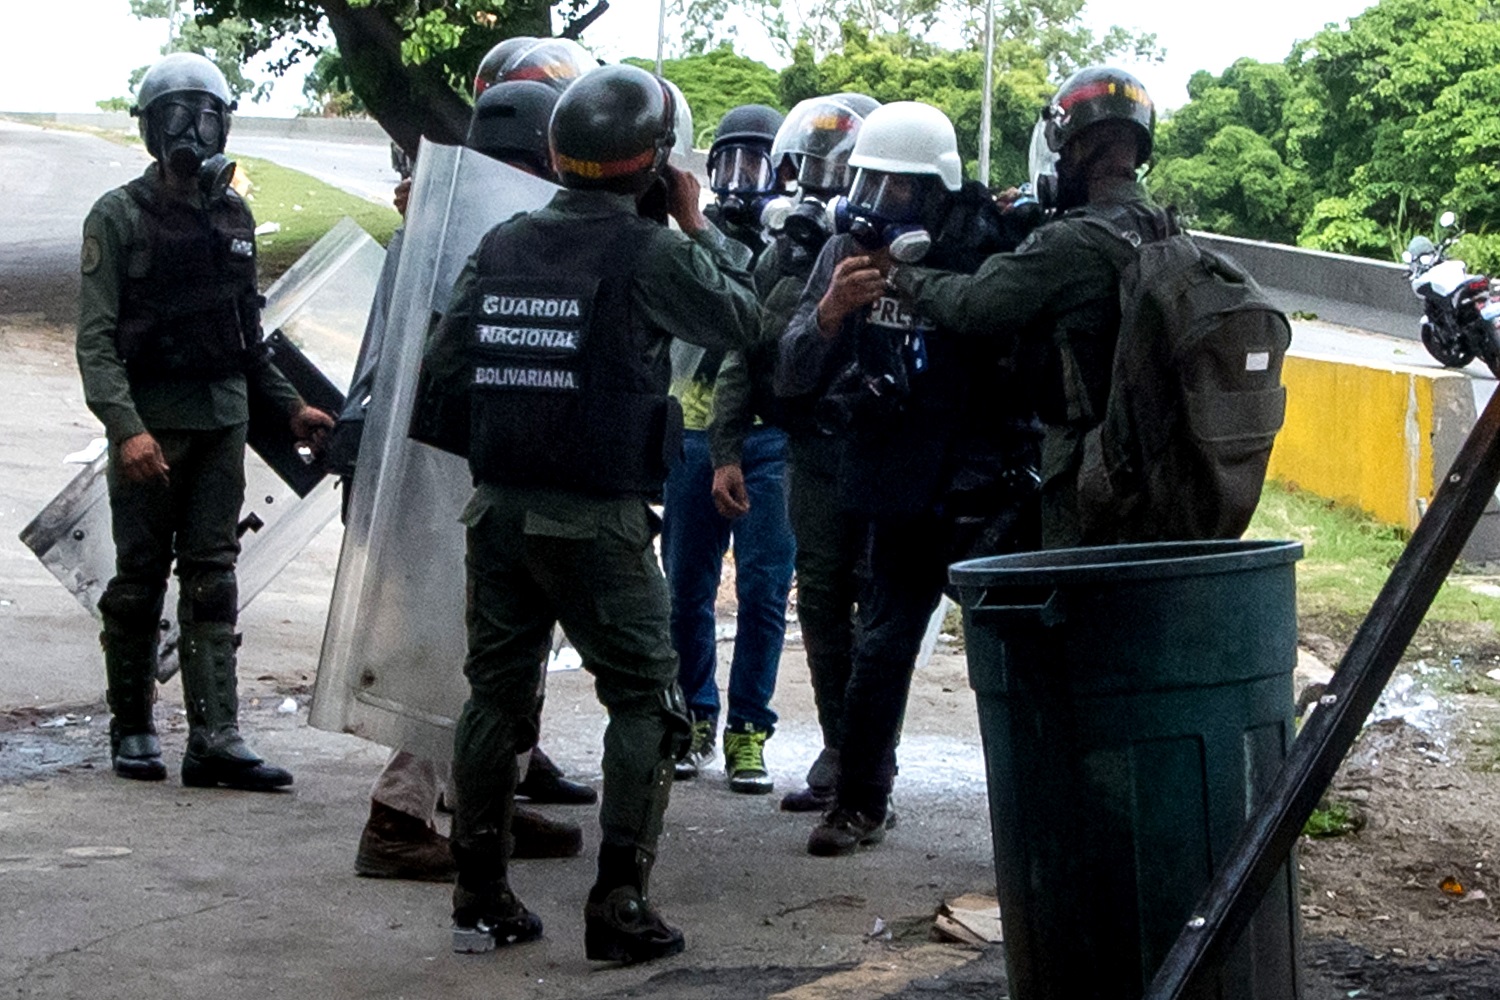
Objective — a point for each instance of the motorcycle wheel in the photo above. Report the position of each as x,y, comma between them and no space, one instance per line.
1450,355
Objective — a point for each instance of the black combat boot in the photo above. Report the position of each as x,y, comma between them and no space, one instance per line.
822,786
619,924
544,783
485,911
216,752
130,667
536,836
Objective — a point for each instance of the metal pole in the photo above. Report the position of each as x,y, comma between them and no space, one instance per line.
661,34
985,107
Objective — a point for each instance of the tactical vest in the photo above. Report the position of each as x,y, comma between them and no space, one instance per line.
965,421
567,392
195,314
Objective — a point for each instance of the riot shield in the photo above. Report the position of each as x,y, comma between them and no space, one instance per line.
392,662
316,309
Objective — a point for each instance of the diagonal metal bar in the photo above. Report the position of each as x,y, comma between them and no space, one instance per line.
1226,908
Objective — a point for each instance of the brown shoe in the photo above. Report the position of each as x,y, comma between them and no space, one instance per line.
395,845
537,836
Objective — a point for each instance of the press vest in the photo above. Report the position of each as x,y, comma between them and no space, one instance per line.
567,392
966,416
196,310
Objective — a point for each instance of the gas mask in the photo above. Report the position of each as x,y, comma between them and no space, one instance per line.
743,181
189,138
807,222
885,210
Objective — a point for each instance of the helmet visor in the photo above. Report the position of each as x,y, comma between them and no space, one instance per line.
192,116
820,126
740,170
890,197
1043,160
557,61
819,174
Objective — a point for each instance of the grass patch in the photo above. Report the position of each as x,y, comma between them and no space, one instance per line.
1347,558
1333,818
306,208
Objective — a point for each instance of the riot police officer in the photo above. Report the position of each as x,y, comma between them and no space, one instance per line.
550,371
400,839
1058,294
939,436
730,484
813,144
170,351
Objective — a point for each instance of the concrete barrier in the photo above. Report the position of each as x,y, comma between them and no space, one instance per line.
1377,437
1350,291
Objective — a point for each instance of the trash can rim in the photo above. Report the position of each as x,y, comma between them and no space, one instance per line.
1111,563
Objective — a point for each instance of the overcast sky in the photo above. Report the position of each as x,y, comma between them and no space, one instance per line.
45,66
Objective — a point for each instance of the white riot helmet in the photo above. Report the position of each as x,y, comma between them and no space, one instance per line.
909,137
905,159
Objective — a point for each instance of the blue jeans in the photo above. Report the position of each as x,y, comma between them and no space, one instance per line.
694,538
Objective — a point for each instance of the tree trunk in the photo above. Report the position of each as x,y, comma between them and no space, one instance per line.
408,101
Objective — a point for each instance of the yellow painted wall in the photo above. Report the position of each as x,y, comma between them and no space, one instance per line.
1360,434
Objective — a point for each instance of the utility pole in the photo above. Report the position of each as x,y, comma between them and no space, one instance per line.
661,34
986,105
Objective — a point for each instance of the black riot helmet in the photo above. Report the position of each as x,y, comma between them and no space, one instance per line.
1086,99
183,104
488,73
556,62
817,138
740,172
510,124
613,129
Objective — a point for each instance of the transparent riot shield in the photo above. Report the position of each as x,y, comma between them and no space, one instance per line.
393,652
318,307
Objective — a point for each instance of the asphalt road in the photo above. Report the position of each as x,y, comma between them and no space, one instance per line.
49,178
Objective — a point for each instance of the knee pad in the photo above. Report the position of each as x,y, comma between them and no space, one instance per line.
210,596
132,604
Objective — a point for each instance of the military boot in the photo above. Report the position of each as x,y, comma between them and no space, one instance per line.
130,668
486,912
619,923
216,752
546,783
822,786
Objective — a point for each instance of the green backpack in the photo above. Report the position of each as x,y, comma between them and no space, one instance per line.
1195,397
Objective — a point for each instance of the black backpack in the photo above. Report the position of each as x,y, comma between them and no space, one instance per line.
1195,397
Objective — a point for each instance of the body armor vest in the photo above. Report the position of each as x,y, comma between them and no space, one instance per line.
566,392
196,312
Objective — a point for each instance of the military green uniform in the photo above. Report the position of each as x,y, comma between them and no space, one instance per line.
200,425
1059,294
539,554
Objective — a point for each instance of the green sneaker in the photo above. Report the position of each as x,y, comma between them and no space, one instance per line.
700,754
745,760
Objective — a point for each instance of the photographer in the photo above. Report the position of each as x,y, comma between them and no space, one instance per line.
940,438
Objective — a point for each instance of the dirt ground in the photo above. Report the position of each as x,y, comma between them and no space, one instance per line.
1404,906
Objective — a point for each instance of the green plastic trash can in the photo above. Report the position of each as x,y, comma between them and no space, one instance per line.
1134,701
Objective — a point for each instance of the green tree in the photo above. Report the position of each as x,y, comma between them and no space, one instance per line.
328,90
223,43
1364,134
951,81
715,81
411,62
1053,27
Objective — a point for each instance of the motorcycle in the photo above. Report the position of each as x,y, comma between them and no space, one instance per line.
1461,311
